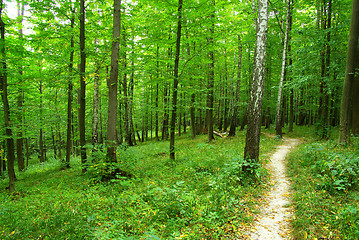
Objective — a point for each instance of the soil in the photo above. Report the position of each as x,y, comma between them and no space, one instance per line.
274,221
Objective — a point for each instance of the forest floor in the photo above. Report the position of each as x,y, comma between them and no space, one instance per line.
273,222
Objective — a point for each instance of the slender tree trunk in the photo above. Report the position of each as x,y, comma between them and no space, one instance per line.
127,124
210,87
279,120
131,92
41,141
69,99
291,97
112,83
175,82
3,87
165,115
96,102
20,99
193,116
82,96
232,131
251,150
352,56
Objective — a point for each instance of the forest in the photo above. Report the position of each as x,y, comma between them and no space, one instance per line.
160,119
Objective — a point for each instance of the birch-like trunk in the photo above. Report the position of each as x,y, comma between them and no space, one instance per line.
278,124
251,150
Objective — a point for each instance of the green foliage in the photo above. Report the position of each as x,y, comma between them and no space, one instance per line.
337,172
326,197
200,196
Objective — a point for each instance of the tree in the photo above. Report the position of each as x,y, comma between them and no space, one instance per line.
350,72
210,84
4,90
175,82
69,96
82,96
282,75
112,82
251,150
20,99
232,131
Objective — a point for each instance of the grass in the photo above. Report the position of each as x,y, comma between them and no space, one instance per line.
202,195
325,190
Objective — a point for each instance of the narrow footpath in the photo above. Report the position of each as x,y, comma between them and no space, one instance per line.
273,222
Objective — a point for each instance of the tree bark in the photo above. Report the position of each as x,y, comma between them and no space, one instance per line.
232,130
96,102
20,99
3,87
82,95
112,84
127,122
210,86
175,81
352,56
41,141
251,150
69,99
282,75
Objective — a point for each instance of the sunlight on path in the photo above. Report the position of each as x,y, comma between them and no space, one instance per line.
273,222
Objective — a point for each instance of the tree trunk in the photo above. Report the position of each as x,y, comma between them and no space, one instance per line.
232,131
41,141
251,150
112,84
20,99
82,95
352,56
165,115
210,87
96,102
3,87
279,120
193,116
130,103
175,82
69,99
127,124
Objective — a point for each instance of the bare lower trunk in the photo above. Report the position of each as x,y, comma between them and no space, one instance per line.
175,82
82,95
352,56
279,120
3,87
251,150
232,131
112,84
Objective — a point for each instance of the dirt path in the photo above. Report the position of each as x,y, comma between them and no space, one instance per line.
273,222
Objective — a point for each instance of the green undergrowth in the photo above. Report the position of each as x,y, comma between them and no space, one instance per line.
201,195
325,190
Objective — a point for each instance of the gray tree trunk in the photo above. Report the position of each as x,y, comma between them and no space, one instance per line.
352,56
112,83
251,150
4,93
82,95
278,127
175,82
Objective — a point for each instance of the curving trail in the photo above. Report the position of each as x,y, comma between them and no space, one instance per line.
273,223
